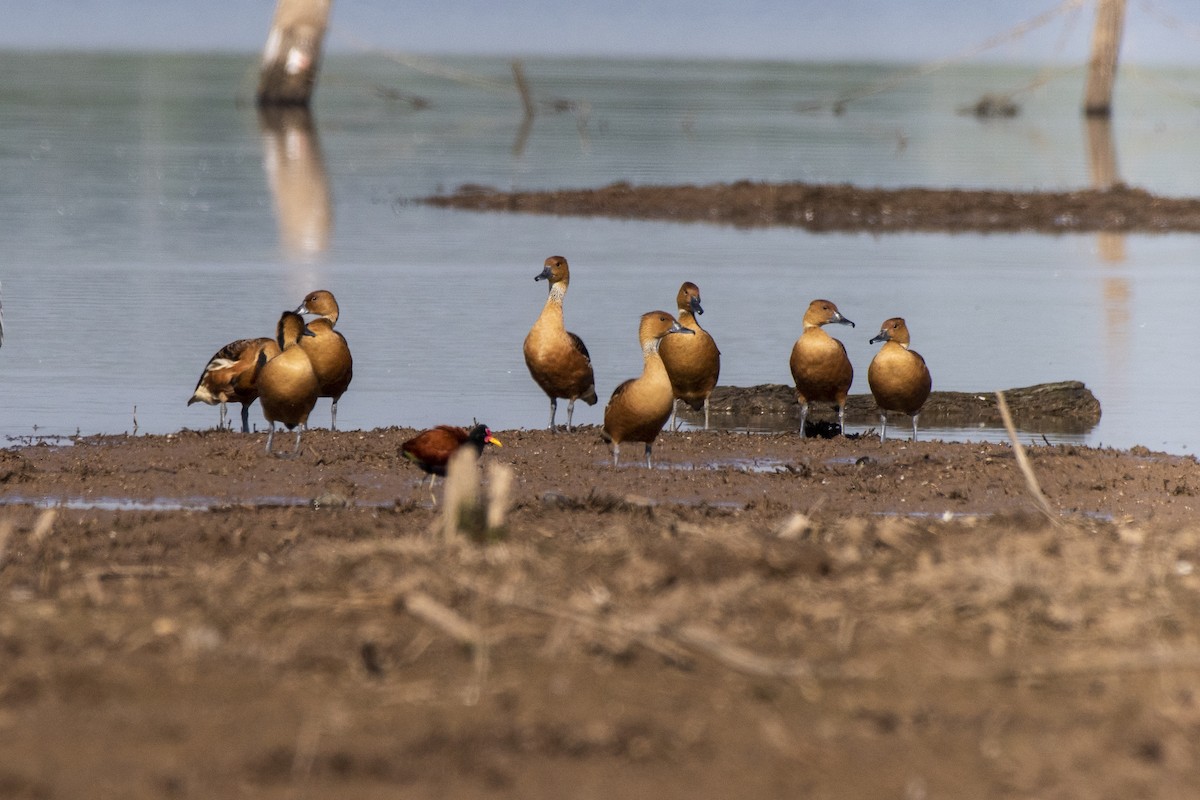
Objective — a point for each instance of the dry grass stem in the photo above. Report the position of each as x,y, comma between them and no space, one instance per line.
739,659
460,498
674,643
43,526
499,491
430,611
6,529
1031,481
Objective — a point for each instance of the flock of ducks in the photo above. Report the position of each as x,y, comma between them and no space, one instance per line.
680,363
287,374
304,362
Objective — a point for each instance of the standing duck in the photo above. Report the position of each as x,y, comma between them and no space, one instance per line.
693,362
640,407
557,359
431,449
231,376
327,349
287,384
898,377
820,366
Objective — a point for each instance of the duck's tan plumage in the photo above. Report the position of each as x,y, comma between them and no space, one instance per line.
820,367
327,348
693,362
640,407
287,384
231,376
557,359
899,378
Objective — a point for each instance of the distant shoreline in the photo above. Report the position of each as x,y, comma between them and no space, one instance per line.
843,207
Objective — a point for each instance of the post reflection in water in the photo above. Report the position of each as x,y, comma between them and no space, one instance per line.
1102,167
299,186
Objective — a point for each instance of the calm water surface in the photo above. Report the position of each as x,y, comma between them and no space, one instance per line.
150,217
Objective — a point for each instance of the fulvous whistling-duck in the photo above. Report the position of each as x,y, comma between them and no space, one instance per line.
640,406
693,362
231,375
557,359
431,449
327,349
287,385
899,378
820,366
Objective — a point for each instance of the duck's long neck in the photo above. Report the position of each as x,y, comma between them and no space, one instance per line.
652,363
688,320
554,303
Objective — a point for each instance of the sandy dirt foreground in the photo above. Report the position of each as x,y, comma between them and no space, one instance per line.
758,616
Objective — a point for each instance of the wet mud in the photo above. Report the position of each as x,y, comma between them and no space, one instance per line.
185,616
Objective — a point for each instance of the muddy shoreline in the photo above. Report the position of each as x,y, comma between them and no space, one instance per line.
185,616
843,207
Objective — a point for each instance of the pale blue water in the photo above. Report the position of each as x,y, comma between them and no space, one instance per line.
141,234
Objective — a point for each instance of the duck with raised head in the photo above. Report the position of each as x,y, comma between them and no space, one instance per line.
693,362
287,385
231,376
557,359
327,348
640,406
898,376
820,367
432,449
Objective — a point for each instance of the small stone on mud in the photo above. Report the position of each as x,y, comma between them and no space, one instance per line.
330,500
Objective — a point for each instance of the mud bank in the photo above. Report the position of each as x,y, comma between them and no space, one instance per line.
185,616
840,207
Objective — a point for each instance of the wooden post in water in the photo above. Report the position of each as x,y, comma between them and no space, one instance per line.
292,54
1102,66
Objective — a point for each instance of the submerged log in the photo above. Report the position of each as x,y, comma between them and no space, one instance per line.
1063,407
292,54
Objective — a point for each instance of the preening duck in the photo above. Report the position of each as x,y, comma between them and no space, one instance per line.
327,348
287,385
640,406
693,362
899,377
820,366
231,376
557,359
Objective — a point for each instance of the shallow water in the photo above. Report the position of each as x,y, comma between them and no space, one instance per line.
152,218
